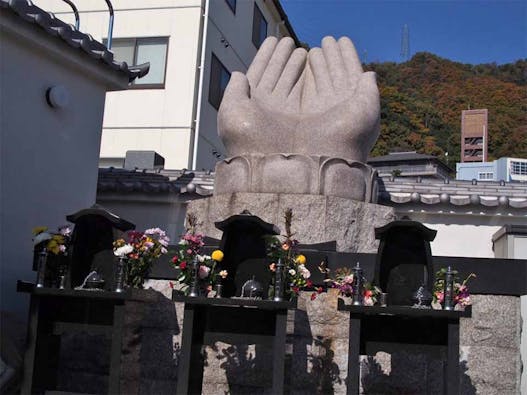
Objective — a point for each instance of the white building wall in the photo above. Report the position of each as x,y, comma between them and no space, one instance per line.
459,233
49,156
147,119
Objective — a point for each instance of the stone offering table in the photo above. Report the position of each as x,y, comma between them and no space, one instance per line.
208,320
55,312
372,327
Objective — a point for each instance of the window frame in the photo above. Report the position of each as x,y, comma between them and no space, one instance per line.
222,66
136,84
482,176
232,5
256,11
518,168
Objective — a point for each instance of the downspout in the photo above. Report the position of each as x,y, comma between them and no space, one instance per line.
198,85
110,24
75,12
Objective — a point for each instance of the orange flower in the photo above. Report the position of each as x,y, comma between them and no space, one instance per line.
285,246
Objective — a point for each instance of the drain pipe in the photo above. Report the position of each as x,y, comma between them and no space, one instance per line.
75,12
198,86
110,24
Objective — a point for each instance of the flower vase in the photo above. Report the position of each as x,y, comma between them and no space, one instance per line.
279,282
120,274
41,268
194,286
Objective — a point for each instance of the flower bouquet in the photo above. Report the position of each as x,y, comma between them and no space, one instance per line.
295,273
461,292
140,249
196,269
52,268
343,282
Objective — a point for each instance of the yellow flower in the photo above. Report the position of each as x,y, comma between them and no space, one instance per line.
217,255
300,260
39,229
58,238
53,247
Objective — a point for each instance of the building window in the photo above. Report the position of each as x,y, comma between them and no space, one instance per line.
519,168
486,176
141,50
219,78
232,5
259,27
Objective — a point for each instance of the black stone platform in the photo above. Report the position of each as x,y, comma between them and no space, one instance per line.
54,312
373,328
207,320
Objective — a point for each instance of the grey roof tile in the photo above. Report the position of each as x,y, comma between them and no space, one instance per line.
53,26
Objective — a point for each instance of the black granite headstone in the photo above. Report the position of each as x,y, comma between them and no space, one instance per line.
244,248
404,260
92,243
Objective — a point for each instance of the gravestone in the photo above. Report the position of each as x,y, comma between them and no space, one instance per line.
244,248
404,260
92,243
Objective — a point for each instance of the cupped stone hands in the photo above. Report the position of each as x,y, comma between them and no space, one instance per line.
316,103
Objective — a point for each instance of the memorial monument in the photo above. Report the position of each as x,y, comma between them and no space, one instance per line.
298,128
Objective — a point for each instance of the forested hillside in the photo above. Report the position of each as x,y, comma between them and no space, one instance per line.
422,101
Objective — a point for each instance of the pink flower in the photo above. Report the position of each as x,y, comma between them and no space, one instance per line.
203,271
439,297
368,301
272,267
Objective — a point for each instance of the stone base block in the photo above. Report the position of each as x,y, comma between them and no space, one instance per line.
316,218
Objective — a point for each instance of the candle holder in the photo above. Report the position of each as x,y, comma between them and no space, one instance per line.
358,286
422,298
120,274
41,268
279,282
218,288
63,269
194,287
448,294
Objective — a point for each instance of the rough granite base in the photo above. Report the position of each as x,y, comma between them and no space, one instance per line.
316,353
316,219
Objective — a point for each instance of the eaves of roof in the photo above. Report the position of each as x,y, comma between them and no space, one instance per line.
142,181
54,27
284,17
400,191
455,192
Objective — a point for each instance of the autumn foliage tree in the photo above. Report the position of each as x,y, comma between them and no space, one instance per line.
422,100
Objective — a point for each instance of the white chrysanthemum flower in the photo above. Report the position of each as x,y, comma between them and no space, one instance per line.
123,251
292,272
41,237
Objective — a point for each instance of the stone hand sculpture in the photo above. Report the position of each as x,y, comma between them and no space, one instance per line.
315,114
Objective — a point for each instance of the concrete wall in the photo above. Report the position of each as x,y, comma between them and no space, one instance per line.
165,212
49,156
459,232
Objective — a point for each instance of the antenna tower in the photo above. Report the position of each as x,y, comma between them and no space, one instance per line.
405,43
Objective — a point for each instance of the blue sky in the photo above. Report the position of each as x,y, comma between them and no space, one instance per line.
467,31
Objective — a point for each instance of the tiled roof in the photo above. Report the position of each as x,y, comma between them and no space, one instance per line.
400,156
454,192
74,38
399,191
164,181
